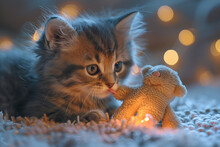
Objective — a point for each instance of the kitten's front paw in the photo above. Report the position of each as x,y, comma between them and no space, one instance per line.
95,115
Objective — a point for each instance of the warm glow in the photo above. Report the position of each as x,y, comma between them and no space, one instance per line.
171,57
205,77
165,13
70,10
36,35
5,43
147,118
186,37
214,48
148,121
217,45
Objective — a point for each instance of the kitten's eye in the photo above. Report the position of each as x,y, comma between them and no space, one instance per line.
118,66
92,69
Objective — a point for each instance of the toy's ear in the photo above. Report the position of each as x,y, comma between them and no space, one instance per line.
180,90
145,69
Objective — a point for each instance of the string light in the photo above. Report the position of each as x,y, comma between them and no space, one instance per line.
171,57
165,13
148,121
186,37
70,10
147,118
5,43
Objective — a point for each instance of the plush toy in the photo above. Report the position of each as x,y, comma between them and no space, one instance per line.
160,85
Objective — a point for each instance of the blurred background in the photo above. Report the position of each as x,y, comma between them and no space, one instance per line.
182,34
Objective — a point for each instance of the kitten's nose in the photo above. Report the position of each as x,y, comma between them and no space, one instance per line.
110,85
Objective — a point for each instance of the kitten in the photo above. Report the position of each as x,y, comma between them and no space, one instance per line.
78,63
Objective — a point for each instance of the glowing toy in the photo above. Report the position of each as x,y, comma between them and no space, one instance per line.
160,85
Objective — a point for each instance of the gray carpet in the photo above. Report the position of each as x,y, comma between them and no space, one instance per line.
199,113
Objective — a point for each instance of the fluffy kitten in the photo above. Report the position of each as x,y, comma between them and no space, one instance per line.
78,63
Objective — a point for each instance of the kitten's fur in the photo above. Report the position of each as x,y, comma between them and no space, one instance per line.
56,81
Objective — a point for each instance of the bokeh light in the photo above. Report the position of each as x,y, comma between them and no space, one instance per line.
186,37
214,48
135,69
165,13
171,57
36,35
204,77
217,45
5,43
70,10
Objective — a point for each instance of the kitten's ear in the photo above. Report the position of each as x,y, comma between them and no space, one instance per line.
56,29
124,22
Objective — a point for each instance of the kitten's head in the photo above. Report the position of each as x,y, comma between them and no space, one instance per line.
88,55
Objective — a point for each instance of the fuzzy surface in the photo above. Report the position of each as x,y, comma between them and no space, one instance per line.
199,114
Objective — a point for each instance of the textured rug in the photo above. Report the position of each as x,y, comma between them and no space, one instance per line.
199,115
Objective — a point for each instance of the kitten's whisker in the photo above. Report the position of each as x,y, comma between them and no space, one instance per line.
67,108
86,99
95,99
92,95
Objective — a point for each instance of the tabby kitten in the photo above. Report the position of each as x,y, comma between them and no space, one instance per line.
78,63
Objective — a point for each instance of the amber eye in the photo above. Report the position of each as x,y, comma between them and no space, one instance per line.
92,69
118,66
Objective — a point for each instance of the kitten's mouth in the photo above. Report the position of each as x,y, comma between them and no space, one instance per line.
112,90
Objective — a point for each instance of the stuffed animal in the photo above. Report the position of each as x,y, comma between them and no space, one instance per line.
160,85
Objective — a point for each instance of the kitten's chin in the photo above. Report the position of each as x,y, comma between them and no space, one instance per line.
103,94
99,94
